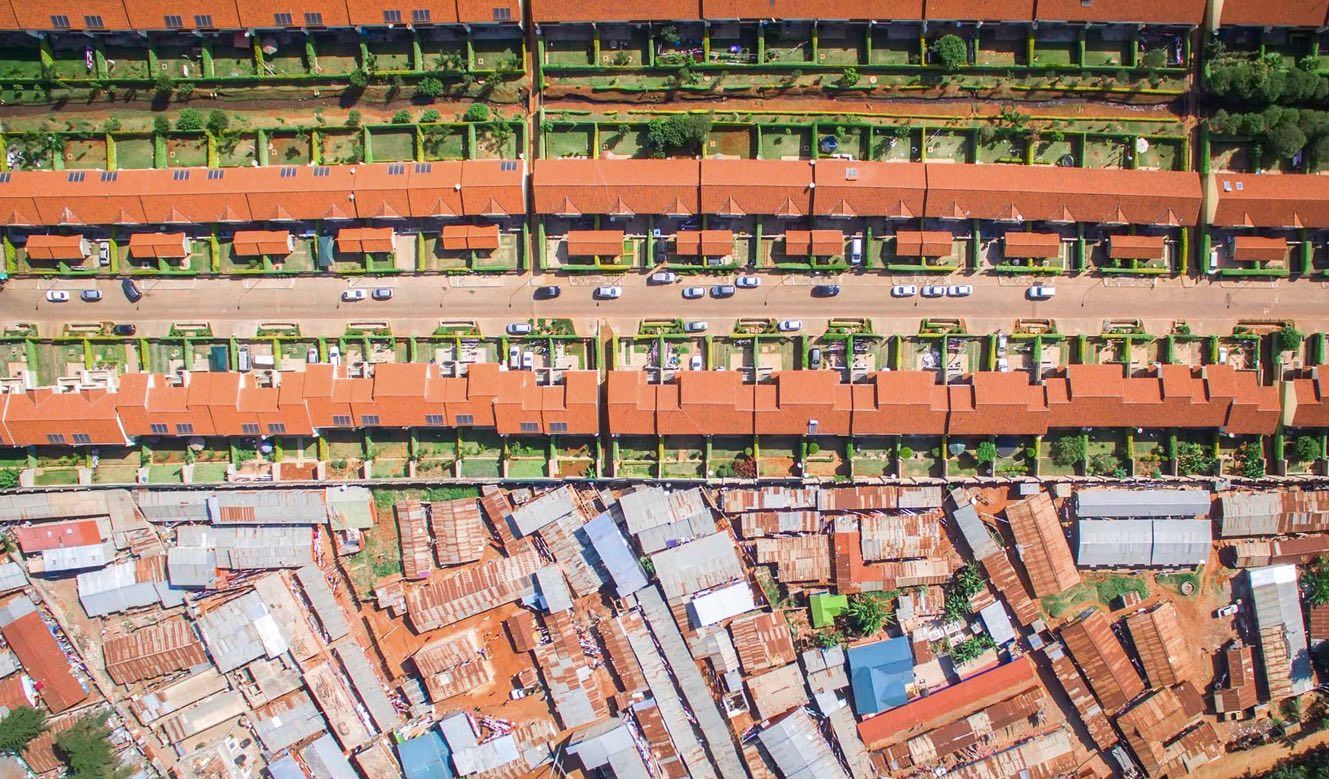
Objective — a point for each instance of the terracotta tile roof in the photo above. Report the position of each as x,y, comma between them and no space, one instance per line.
1279,13
989,11
704,243
1245,200
1162,645
1255,248
756,187
825,10
365,240
488,11
470,237
55,247
252,243
1136,247
813,243
595,243
1042,545
577,187
1100,656
256,13
1038,245
1045,193
847,188
548,11
369,13
923,243
1181,12
948,704
38,17
996,402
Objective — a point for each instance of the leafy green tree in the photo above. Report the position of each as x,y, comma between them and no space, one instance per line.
358,78
1195,459
1307,449
867,613
1154,59
951,51
1069,451
1289,339
401,117
678,132
429,86
429,116
827,638
1315,581
19,727
163,84
353,119
971,648
161,124
9,478
1251,460
986,452
478,112
849,78
960,590
86,749
218,122
190,120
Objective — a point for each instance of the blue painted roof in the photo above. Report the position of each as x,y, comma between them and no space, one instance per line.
879,674
425,757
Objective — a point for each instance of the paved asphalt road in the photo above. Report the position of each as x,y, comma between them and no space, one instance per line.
237,306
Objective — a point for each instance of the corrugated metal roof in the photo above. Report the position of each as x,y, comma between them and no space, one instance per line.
171,506
553,588
64,504
251,548
1138,543
12,576
697,565
326,760
325,605
674,533
74,558
667,705
530,517
286,768
997,622
239,631
572,550
775,692
368,687
191,566
879,674
615,555
1182,542
423,757
609,745
270,507
284,724
645,508
349,507
1142,503
152,651
1275,594
114,589
975,533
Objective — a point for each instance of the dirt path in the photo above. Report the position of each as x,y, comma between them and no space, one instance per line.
1254,762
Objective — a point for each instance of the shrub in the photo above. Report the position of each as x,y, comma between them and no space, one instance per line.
1251,460
906,453
1307,449
9,478
986,453
669,34
353,119
971,648
828,638
218,122
111,125
1193,459
429,86
478,112
951,51
1104,464
868,613
1154,59
430,116
1315,581
358,78
814,447
161,124
190,119
401,117
849,78
1289,339
163,84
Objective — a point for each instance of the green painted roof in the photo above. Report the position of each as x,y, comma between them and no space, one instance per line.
825,608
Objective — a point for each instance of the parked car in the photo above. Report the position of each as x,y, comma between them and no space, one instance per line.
90,295
608,293
696,326
692,293
934,291
825,290
904,291
662,277
1041,292
131,290
57,296
695,362
547,292
514,357
747,282
814,357
790,325
722,291
959,290
382,293
334,354
352,295
124,330
519,328
311,356
528,361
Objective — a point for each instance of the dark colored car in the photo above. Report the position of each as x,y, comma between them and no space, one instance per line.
131,290
825,290
722,291
548,292
124,329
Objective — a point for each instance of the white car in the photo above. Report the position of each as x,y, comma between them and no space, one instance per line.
57,296
695,363
698,326
608,293
692,293
934,291
519,328
334,354
352,295
747,282
904,291
1040,292
528,361
514,357
662,277
790,325
959,290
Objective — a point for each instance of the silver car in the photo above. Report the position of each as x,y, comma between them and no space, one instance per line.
608,293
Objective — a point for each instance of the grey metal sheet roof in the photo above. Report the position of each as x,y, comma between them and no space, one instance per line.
664,536
326,760
286,768
1182,542
114,589
329,612
252,547
615,554
12,577
697,565
280,730
15,608
551,585
645,508
530,517
173,506
73,558
367,685
1274,590
191,566
665,696
1250,513
270,507
239,631
1114,542
975,533
36,506
609,744
798,749
1142,503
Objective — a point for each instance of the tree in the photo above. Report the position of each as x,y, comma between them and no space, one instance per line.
358,78
86,749
1315,581
429,86
848,78
163,84
9,478
971,648
906,453
430,116
1069,451
401,117
951,51
161,124
1289,339
19,727
1193,458
1154,59
190,120
478,112
1251,460
960,590
353,119
1307,448
867,613
678,132
986,453
218,122
828,638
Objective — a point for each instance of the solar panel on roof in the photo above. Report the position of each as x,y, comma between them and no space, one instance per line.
214,175
110,175
180,175
507,165
288,173
76,176
423,167
396,169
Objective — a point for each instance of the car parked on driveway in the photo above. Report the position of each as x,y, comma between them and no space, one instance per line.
608,293
352,295
57,296
904,291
